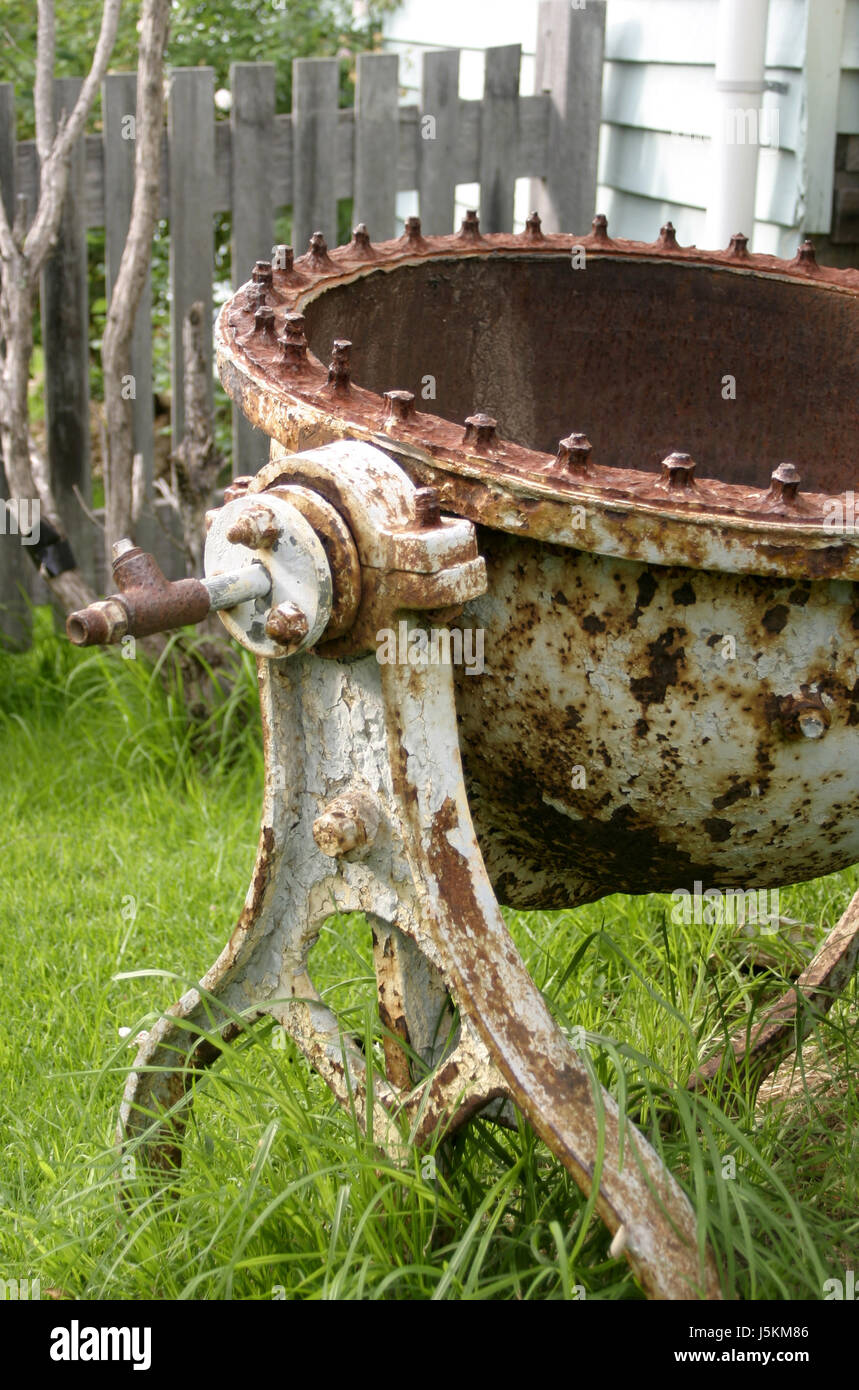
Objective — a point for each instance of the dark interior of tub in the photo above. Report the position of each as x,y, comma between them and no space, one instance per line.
634,355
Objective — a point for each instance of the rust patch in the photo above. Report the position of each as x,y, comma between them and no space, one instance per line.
646,587
663,670
737,793
775,619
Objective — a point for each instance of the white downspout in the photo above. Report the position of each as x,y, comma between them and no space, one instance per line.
740,53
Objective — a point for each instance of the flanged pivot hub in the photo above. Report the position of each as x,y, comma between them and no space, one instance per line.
264,529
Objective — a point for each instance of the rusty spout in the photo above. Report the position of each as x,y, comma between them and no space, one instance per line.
146,602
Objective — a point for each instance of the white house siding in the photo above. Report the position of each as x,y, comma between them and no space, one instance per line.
657,91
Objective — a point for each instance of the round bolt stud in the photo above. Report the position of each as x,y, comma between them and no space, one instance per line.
264,324
261,273
785,482
361,245
339,366
286,624
349,822
470,225
317,253
412,230
812,724
678,471
427,507
480,431
293,342
738,246
533,228
238,487
401,407
805,254
803,714
256,528
574,453
599,227
667,237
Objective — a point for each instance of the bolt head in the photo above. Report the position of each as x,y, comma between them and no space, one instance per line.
678,470
238,487
574,452
256,528
400,407
427,506
812,725
480,430
287,625
349,822
785,482
336,833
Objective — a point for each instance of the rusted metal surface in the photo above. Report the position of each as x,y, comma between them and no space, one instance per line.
638,727
665,636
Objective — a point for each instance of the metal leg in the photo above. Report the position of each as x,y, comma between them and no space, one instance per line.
772,1039
340,737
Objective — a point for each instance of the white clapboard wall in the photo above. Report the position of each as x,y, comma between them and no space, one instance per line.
657,93
656,104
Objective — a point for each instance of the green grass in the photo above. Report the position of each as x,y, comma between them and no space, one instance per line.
128,837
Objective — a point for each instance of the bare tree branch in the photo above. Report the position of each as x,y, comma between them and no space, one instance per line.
133,267
197,462
55,162
46,45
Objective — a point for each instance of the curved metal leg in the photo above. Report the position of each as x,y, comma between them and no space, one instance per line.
335,731
773,1038
365,811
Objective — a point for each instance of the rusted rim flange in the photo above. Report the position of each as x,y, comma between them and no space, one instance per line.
675,518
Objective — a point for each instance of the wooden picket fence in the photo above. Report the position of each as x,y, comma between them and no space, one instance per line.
259,161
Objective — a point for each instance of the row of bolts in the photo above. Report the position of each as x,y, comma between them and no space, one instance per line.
480,429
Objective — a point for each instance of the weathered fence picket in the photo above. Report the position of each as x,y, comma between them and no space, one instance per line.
499,121
439,140
315,128
570,45
119,103
65,341
259,162
191,179
252,138
377,137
